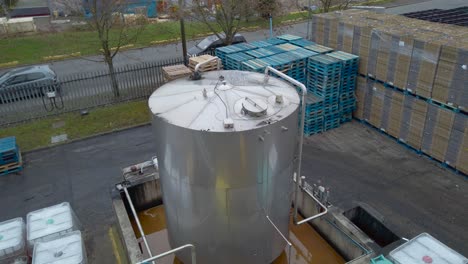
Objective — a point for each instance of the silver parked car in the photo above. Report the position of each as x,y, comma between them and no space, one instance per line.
27,82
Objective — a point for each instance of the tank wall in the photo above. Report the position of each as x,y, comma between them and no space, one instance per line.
218,188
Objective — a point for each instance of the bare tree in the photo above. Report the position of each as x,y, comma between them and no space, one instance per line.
224,15
338,4
5,6
267,8
114,32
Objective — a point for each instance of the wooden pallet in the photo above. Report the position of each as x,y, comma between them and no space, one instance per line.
14,167
175,72
213,65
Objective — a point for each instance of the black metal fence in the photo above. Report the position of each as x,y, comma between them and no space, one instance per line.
80,91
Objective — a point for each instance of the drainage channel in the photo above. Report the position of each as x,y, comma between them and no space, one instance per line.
308,246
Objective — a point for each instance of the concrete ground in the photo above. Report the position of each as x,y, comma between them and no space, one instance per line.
412,193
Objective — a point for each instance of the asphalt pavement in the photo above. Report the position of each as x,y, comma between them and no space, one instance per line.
359,164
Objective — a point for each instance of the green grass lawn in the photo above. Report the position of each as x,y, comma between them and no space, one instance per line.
38,133
32,49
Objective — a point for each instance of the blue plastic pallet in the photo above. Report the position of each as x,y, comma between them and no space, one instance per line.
322,81
330,108
324,64
348,60
331,125
9,152
274,49
260,44
7,144
346,117
255,65
244,46
288,37
302,42
260,53
287,47
9,171
234,61
303,54
12,167
222,52
275,41
319,48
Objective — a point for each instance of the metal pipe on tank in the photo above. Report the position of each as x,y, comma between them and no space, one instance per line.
137,220
284,237
197,67
301,138
172,251
314,216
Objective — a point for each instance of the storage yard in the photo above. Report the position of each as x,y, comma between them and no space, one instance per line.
384,158
413,78
358,163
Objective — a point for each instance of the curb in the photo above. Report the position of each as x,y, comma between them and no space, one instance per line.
86,138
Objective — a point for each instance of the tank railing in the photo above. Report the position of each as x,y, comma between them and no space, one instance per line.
301,183
284,237
137,220
172,251
301,138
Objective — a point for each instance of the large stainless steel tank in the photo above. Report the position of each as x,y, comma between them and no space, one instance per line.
225,146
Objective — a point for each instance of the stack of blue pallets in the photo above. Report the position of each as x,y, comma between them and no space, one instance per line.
279,62
323,79
330,76
324,74
300,59
331,120
234,60
224,51
10,156
314,115
349,73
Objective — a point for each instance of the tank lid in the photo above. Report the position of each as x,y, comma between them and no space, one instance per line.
224,101
426,249
254,107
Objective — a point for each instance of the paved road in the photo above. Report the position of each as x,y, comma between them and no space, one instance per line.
155,53
359,164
